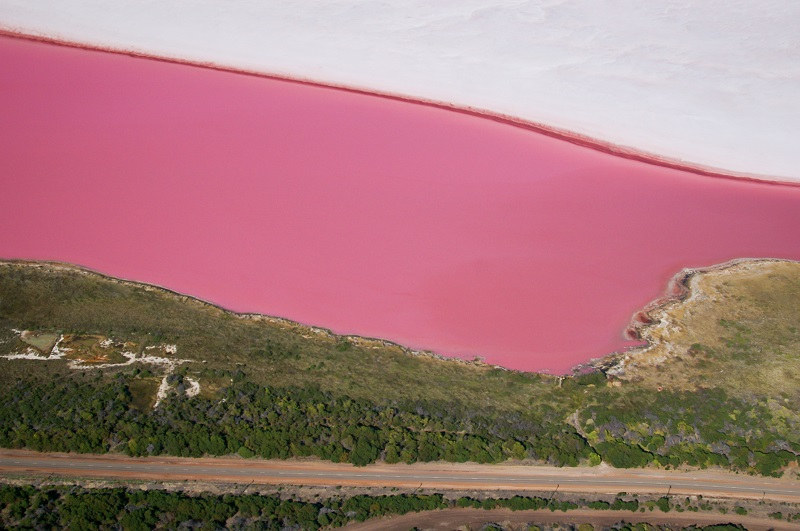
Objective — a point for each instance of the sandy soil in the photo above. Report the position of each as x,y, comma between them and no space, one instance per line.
454,518
602,479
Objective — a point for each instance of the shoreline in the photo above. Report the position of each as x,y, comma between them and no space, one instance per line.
360,340
585,141
678,291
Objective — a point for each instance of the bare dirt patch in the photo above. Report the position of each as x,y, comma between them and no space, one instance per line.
513,520
94,349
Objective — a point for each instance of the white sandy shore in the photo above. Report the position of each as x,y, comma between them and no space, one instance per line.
710,83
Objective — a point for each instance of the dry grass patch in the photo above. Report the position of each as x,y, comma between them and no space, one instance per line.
738,328
93,349
143,392
41,341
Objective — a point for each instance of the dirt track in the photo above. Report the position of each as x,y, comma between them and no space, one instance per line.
452,518
600,479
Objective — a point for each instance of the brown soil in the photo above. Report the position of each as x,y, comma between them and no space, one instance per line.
459,518
449,476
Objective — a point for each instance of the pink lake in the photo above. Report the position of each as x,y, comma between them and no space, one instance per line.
367,215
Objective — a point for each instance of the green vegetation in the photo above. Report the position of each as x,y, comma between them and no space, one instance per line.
42,341
272,388
113,508
741,335
73,507
91,414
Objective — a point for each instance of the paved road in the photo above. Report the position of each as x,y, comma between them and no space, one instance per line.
425,475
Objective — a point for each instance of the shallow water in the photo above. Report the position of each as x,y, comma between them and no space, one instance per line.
432,228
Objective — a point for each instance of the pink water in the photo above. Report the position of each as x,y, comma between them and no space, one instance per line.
366,215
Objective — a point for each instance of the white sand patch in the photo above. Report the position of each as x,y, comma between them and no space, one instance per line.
194,387
58,352
712,83
131,358
29,354
163,389
169,349
169,364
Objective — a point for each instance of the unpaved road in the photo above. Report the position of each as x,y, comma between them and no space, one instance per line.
420,475
453,518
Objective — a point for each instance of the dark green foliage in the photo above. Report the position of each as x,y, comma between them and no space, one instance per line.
563,506
687,417
623,455
591,378
769,464
622,505
599,505
113,508
664,504
347,402
92,416
617,505
364,507
79,508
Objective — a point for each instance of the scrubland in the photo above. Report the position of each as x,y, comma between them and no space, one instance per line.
716,387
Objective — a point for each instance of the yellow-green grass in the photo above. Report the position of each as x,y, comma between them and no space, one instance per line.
717,386
143,392
41,341
738,328
272,351
740,331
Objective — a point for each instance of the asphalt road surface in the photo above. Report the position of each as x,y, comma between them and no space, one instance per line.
600,479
